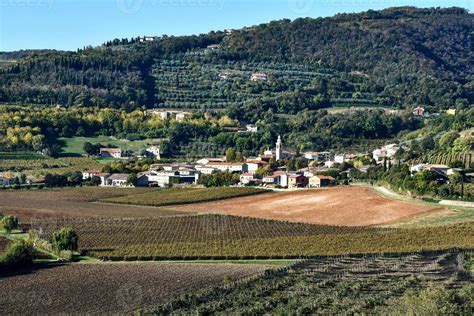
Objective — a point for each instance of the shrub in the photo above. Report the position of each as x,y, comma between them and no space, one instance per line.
9,223
19,253
65,239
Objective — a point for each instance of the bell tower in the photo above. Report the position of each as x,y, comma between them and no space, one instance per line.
278,149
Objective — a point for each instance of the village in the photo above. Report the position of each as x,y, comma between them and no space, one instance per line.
314,175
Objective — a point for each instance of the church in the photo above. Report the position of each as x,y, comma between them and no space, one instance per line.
279,153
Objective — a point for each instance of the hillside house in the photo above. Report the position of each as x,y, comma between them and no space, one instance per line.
154,151
258,76
251,128
318,181
387,151
451,112
297,181
110,153
213,46
329,163
118,180
145,39
439,169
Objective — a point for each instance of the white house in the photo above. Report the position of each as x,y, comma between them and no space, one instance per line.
90,173
254,164
229,166
251,128
246,178
278,178
154,151
339,158
117,180
204,169
329,163
110,152
440,169
205,161
387,151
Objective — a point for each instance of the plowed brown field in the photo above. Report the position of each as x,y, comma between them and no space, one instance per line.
347,206
110,288
74,202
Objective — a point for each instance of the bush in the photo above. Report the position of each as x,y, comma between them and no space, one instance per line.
9,223
19,253
65,239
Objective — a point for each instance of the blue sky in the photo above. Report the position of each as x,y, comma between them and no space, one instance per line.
70,24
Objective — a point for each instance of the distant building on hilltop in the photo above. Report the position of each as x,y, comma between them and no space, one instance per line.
258,76
418,111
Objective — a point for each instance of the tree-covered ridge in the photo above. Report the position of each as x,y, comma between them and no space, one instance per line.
416,55
398,57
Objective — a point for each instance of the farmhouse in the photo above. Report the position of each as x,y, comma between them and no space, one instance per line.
117,180
318,181
168,114
110,152
340,159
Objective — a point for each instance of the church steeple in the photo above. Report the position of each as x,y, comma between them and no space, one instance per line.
278,149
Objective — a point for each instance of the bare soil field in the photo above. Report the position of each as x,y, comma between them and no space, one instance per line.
74,202
110,288
346,206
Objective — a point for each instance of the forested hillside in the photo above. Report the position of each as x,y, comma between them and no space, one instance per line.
398,57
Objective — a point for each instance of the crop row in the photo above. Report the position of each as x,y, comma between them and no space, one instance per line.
219,236
179,196
344,285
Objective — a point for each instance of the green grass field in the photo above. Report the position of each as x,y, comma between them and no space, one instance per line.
74,145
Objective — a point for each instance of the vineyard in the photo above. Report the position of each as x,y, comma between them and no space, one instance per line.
39,165
447,159
229,237
329,286
178,196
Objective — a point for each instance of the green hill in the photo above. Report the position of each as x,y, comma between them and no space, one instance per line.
399,57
